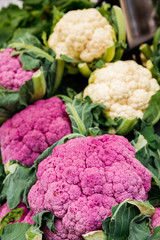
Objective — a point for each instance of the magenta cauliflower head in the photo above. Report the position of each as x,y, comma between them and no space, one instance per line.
155,220
83,179
26,217
12,76
28,133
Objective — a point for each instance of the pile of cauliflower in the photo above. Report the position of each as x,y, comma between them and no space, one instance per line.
82,179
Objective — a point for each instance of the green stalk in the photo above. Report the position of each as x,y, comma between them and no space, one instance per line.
84,69
126,126
120,23
79,123
146,50
59,73
109,53
39,85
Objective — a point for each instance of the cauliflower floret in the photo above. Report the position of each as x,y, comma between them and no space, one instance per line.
83,179
82,35
12,76
28,133
124,87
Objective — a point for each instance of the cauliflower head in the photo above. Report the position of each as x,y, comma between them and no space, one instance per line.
83,179
28,133
25,218
155,220
12,76
124,87
82,35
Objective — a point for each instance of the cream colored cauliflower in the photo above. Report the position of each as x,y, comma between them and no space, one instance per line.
82,35
124,87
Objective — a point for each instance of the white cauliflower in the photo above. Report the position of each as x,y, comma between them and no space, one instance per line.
124,87
82,35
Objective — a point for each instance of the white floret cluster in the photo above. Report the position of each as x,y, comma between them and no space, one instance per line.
124,87
82,35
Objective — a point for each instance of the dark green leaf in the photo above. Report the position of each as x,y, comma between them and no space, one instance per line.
147,146
53,73
28,39
17,182
67,5
57,15
152,113
16,231
32,46
28,62
156,233
139,228
129,220
2,174
153,195
100,63
84,114
44,218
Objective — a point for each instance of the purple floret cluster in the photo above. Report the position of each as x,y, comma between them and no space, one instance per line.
81,181
25,218
155,220
28,133
12,76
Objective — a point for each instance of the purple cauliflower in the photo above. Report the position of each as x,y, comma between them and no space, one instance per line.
83,179
12,76
26,217
28,133
155,220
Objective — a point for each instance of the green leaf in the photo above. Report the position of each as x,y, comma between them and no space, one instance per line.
2,173
130,220
67,5
32,46
28,39
152,113
28,62
16,231
17,182
156,233
139,228
147,146
57,15
53,73
10,18
44,218
84,114
153,195
100,63
67,59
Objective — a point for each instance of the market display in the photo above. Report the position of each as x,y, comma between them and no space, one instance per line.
80,153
